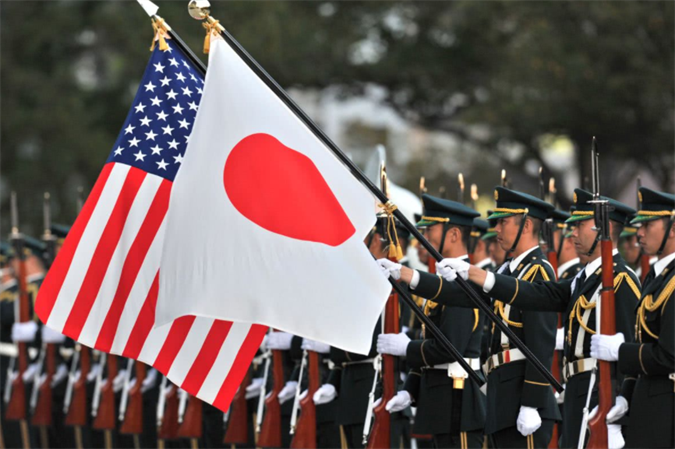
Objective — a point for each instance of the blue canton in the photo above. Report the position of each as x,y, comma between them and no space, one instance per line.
157,128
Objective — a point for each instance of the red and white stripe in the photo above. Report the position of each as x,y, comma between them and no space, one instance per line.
102,290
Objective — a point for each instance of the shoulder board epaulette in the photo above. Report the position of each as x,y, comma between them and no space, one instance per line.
625,277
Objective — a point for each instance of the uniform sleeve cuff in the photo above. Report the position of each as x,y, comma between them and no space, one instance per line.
415,279
489,282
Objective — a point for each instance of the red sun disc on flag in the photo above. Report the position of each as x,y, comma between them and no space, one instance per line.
281,190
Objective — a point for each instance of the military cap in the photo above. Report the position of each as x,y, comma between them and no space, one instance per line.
559,217
585,210
59,230
35,246
490,232
380,227
480,225
654,205
628,231
570,226
439,210
511,202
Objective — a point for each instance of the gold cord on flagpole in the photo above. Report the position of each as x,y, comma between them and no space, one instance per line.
395,251
212,29
160,29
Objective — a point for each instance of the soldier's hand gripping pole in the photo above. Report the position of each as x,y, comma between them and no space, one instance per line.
200,11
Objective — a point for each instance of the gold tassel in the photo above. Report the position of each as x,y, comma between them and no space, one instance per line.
395,251
211,29
159,35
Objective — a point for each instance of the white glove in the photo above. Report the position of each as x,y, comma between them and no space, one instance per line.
401,401
560,397
288,391
51,336
528,420
394,344
615,437
60,374
606,347
93,372
150,381
316,346
451,268
390,268
325,394
254,389
376,403
118,381
617,411
303,395
24,332
560,339
29,375
279,340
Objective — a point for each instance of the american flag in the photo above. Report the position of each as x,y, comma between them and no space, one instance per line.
103,285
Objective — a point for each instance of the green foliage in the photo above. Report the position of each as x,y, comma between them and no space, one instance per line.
524,69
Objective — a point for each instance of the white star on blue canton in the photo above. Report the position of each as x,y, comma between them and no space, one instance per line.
161,115
129,129
173,144
134,142
167,129
193,106
187,91
139,156
150,87
171,94
156,101
173,62
162,165
159,67
156,149
165,81
180,77
145,121
118,151
178,159
177,109
140,107
184,123
150,135
186,64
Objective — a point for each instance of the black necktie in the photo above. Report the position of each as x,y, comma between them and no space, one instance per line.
579,283
650,277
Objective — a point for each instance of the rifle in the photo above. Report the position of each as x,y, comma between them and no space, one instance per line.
103,405
41,400
305,430
190,419
598,425
131,406
167,411
270,431
237,416
75,404
380,436
16,395
548,231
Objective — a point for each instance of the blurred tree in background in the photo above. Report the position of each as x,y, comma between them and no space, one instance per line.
496,74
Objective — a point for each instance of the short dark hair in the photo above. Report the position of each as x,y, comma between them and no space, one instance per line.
536,224
464,230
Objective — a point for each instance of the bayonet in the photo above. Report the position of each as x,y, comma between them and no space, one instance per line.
474,195
460,191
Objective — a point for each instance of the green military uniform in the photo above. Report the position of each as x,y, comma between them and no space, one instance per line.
576,298
652,357
452,410
515,383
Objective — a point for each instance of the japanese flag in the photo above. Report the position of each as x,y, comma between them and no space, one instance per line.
265,225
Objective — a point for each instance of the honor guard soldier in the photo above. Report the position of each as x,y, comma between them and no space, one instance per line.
449,407
569,263
521,408
494,249
479,245
652,357
577,299
352,378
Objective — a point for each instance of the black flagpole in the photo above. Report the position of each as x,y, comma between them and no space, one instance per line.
479,302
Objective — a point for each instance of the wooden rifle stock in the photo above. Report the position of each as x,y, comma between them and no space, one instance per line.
168,428
305,430
106,417
133,417
270,431
42,415
645,266
78,410
237,422
552,257
16,408
380,435
191,427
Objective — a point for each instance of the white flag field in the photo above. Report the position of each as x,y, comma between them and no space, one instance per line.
182,255
269,225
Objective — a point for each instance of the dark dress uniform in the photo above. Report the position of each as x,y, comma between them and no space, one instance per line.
652,357
452,411
516,383
571,271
